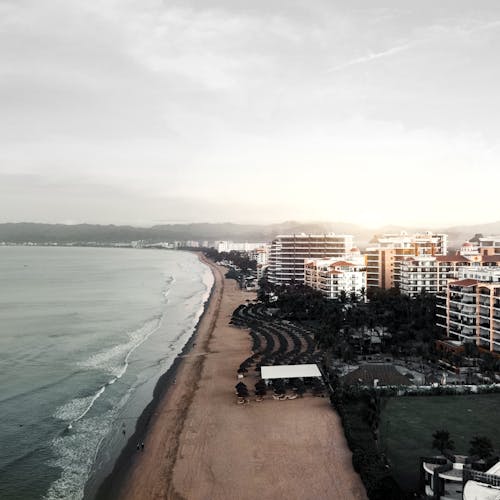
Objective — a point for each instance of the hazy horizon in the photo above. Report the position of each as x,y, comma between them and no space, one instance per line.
386,226
148,112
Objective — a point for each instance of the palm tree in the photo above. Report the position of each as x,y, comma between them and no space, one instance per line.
372,413
441,441
241,390
481,446
260,388
300,387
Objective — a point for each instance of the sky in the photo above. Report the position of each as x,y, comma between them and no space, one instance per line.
147,111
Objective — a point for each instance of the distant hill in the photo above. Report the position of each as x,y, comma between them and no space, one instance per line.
108,234
458,234
60,233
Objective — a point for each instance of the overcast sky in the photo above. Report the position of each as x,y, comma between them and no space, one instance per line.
149,111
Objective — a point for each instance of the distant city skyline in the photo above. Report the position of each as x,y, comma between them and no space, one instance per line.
136,112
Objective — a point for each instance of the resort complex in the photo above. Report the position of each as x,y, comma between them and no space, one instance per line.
403,318
462,281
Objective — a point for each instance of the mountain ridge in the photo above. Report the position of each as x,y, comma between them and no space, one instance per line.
41,233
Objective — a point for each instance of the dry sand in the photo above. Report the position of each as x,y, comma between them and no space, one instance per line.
202,445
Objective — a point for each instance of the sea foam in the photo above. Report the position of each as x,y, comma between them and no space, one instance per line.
76,449
114,360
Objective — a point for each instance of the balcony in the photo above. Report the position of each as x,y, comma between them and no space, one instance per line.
462,335
462,300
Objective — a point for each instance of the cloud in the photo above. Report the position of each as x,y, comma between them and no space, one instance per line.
486,26
372,57
226,104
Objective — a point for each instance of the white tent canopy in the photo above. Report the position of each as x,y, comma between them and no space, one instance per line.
290,371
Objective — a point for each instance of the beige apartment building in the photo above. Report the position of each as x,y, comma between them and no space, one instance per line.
469,311
489,245
386,254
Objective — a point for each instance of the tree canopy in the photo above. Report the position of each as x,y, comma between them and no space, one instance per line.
441,441
481,446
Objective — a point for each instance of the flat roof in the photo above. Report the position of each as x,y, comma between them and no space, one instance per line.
495,470
290,371
473,490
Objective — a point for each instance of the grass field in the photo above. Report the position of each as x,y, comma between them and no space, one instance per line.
407,425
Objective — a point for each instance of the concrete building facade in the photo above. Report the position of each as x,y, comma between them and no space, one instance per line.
289,252
229,246
386,253
332,276
489,245
431,274
261,255
469,311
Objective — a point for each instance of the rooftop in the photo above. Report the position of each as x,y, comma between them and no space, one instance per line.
451,258
385,374
290,371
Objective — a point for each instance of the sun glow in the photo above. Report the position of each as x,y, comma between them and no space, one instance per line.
372,220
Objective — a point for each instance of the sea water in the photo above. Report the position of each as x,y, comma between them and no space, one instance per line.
85,333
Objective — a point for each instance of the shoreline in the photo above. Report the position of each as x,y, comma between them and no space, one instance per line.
202,444
113,484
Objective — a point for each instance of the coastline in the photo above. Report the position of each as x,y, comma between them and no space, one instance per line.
201,444
113,484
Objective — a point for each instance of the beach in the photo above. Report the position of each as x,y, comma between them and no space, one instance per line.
86,335
200,444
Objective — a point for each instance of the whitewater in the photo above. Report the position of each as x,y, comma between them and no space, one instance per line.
85,334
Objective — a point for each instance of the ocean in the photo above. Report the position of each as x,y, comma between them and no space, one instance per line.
85,334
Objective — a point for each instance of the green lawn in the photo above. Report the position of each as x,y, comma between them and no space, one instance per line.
407,425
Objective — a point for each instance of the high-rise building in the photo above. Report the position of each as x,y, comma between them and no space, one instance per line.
386,253
261,256
288,253
469,311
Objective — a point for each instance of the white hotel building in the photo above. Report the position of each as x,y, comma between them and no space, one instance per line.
230,246
261,255
333,276
431,274
288,253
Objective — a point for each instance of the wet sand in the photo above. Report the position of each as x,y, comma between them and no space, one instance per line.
201,444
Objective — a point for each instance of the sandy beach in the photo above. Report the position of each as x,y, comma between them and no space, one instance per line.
200,444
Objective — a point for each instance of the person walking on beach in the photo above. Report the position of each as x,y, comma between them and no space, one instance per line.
138,446
142,446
